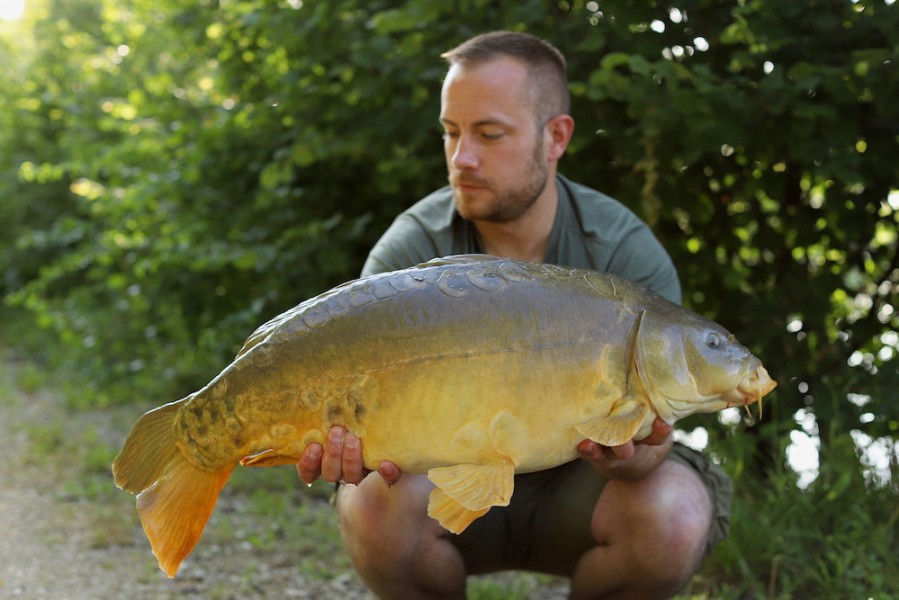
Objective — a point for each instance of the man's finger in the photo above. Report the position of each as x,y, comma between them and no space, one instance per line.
351,459
389,472
594,452
589,450
624,451
660,432
332,460
309,465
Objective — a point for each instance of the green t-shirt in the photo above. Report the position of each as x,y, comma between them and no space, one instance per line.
591,231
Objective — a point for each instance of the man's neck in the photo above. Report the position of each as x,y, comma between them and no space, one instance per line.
527,237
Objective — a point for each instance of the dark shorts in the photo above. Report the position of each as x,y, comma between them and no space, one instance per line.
546,527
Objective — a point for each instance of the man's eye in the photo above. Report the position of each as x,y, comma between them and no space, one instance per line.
491,135
450,135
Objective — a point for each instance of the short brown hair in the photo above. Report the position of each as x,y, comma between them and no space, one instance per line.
546,66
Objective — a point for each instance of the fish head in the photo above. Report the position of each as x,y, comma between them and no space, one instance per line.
688,364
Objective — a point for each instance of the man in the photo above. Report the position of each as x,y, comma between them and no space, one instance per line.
633,521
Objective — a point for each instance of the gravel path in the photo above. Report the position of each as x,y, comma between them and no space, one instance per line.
66,533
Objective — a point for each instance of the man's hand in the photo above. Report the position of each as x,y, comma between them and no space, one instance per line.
633,460
340,460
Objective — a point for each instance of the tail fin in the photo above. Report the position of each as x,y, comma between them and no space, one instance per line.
175,498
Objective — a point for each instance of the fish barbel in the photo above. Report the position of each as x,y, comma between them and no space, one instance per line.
466,368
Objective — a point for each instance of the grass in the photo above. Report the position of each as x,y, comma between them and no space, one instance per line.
30,377
47,439
835,539
269,510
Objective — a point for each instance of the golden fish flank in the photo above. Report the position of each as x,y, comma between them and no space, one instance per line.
469,369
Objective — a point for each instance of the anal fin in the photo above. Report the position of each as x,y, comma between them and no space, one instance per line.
449,513
465,492
476,486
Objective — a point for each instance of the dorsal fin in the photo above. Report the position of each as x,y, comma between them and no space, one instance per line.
457,259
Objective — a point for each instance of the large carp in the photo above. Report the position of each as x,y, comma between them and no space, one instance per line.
466,368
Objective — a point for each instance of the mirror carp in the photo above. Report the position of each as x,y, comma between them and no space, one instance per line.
467,368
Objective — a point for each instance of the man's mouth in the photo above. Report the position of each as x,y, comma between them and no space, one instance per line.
467,184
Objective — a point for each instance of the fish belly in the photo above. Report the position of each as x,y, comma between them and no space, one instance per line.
477,409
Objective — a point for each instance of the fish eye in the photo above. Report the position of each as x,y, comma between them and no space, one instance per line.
713,340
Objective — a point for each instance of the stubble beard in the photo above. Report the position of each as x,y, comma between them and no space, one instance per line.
507,205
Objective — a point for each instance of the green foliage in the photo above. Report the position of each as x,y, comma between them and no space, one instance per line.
835,538
174,174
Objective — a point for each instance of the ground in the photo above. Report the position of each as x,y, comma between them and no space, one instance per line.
68,533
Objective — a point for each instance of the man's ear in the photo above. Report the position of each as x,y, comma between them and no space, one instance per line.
557,135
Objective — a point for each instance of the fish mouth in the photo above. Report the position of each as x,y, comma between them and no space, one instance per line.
754,386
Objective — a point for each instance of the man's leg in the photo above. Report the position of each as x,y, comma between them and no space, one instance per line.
652,536
398,550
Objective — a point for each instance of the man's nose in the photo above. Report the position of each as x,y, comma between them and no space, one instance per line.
464,156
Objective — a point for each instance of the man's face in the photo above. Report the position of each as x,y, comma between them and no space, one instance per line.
494,149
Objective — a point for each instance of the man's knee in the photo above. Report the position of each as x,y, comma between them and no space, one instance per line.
661,524
398,550
685,541
683,520
386,524
684,515
375,520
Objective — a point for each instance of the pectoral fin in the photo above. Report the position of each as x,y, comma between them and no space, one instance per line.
619,427
465,492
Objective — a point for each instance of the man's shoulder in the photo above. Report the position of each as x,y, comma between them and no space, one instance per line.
433,212
597,212
419,233
614,239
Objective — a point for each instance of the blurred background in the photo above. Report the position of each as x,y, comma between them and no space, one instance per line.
175,173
